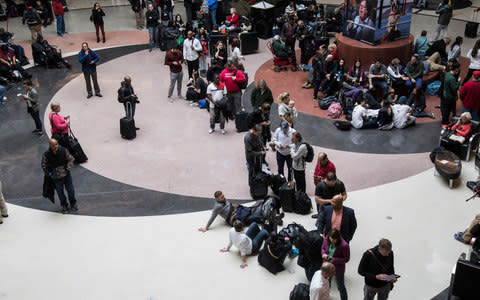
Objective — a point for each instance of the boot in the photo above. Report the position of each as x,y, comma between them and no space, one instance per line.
98,39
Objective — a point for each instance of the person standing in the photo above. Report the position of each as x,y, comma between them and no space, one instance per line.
188,9
319,286
34,22
288,34
323,167
56,163
127,95
474,56
376,265
88,58
215,92
304,36
174,60
444,12
337,251
59,12
325,190
451,84
191,47
97,19
298,152
282,138
152,24
231,77
470,96
138,6
254,151
261,94
212,9
31,97
3,206
59,124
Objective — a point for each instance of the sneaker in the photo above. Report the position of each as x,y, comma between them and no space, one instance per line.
35,131
210,131
223,131
75,207
170,99
191,103
190,81
314,216
64,209
89,96
194,104
181,97
433,116
40,133
99,95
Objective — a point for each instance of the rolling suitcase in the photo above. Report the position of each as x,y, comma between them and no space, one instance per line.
287,195
259,186
75,149
471,28
241,121
248,42
127,125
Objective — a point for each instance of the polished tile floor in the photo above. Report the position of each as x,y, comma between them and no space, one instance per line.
46,255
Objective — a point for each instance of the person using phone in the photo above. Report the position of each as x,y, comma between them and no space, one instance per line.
89,59
376,265
337,251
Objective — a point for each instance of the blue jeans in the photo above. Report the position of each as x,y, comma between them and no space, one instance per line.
281,159
372,123
36,118
382,84
257,236
474,113
152,32
213,14
68,183
418,82
60,25
316,87
340,281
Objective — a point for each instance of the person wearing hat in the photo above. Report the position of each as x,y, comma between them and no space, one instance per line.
231,77
470,96
414,72
282,138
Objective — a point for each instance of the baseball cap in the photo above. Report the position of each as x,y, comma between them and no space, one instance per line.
476,74
284,125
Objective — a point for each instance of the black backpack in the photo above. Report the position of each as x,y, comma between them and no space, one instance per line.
242,85
343,125
325,102
30,17
120,97
293,231
301,291
310,248
310,153
302,204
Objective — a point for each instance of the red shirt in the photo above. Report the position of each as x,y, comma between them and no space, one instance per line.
58,8
171,57
233,19
470,95
335,55
462,129
226,78
322,171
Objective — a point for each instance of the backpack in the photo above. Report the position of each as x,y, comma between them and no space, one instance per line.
343,125
30,17
293,231
242,85
325,102
310,248
310,153
335,110
301,291
120,96
302,204
433,88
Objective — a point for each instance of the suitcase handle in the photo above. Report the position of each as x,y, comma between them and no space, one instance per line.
70,132
129,110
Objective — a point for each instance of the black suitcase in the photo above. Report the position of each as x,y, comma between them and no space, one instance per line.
302,204
127,125
276,182
301,291
241,121
75,149
287,195
259,186
471,29
248,42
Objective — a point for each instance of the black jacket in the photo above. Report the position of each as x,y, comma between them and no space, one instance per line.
438,46
369,267
318,66
307,31
152,18
257,117
136,5
348,226
272,256
97,16
127,91
284,33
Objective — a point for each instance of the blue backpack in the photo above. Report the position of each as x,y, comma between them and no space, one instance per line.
432,88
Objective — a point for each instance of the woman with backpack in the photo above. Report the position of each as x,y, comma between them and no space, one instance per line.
337,251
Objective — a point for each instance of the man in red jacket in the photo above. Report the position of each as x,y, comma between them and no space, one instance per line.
231,77
59,12
470,96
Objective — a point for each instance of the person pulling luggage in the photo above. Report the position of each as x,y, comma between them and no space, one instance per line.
126,95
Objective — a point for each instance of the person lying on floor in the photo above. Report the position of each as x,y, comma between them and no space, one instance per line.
231,212
362,117
248,243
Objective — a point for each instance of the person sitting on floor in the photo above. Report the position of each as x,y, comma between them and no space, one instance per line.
362,117
385,116
197,89
402,114
248,243
48,55
417,101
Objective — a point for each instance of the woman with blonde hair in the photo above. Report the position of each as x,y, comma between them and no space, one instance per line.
59,124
